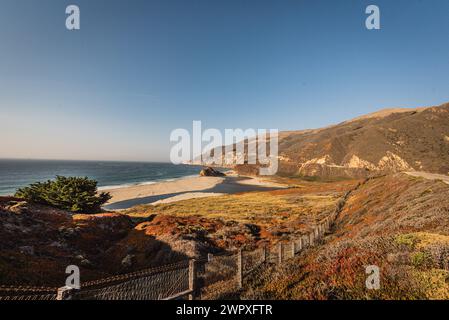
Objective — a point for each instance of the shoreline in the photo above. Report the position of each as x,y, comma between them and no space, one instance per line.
143,183
137,191
183,189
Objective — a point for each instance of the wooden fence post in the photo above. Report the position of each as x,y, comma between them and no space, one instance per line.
64,293
300,245
209,257
265,253
311,238
239,269
280,252
192,278
293,249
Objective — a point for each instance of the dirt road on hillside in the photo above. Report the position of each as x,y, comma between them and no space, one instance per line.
430,176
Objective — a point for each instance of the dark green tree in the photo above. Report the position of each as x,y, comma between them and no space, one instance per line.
74,194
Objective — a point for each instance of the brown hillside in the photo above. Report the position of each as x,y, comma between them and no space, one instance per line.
387,141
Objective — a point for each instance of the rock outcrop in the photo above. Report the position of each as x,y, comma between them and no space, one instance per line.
211,172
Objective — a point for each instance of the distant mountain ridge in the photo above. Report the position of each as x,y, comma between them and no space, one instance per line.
390,140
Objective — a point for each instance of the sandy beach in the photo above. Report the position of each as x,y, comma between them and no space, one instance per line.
182,189
164,187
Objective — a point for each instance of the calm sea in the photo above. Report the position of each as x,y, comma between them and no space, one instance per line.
19,173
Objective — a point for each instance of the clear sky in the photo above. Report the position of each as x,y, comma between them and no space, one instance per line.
136,70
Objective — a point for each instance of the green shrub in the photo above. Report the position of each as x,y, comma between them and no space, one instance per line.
68,193
421,259
408,240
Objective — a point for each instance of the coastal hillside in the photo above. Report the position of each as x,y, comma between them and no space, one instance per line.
396,222
387,141
37,242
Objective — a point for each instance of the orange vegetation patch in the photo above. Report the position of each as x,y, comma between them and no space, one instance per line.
98,216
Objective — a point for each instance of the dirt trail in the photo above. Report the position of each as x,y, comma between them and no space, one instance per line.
430,176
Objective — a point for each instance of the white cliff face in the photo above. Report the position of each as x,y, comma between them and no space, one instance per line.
393,162
326,160
310,167
356,162
390,162
324,166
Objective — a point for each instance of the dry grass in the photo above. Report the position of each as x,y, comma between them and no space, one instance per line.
306,202
260,208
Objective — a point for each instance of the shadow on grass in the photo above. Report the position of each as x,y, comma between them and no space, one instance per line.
229,185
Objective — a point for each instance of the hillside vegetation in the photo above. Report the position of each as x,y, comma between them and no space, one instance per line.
37,242
398,223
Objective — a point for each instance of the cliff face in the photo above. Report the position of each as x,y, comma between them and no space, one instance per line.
384,142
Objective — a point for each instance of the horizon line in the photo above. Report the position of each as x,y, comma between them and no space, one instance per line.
83,160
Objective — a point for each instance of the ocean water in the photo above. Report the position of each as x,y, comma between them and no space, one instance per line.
19,173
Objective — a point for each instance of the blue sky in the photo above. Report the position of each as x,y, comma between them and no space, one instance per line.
136,70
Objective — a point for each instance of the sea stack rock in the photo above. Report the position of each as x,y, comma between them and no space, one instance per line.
211,172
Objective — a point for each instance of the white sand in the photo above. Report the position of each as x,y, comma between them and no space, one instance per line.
186,188
166,187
